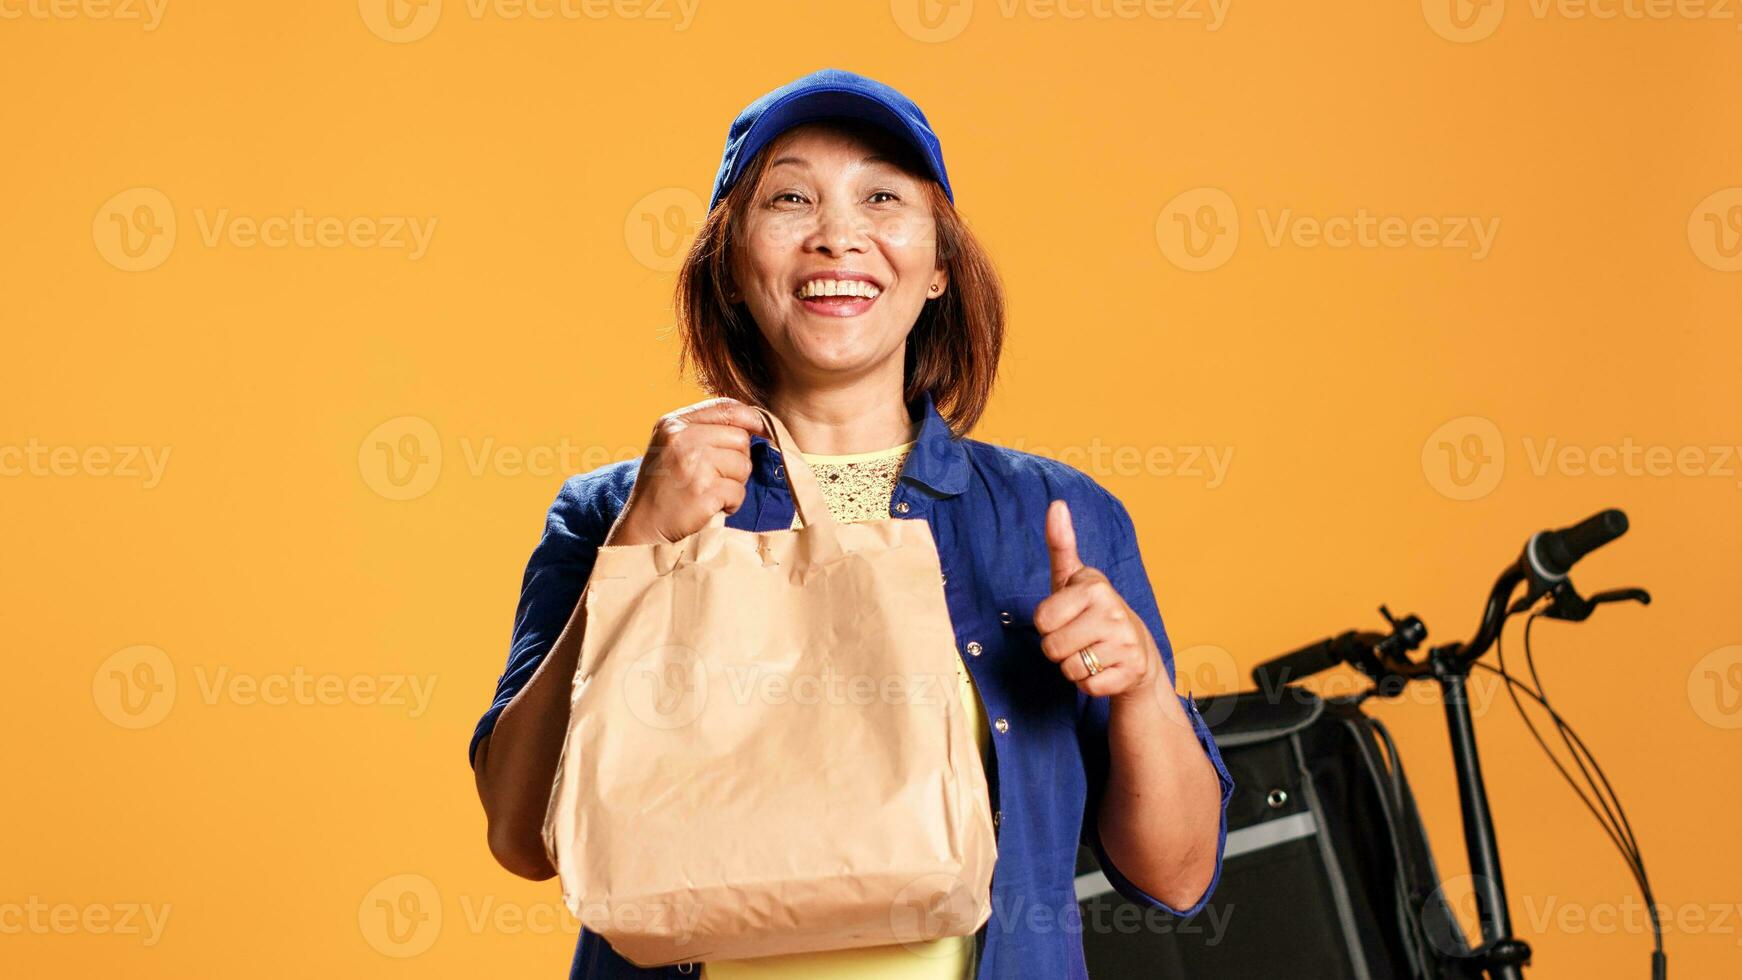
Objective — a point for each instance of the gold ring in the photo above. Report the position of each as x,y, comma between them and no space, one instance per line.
1087,655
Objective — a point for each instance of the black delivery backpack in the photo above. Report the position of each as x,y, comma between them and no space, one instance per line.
1326,872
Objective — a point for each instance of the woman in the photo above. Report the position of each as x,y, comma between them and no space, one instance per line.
834,283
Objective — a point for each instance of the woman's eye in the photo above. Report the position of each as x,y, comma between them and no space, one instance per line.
888,194
784,196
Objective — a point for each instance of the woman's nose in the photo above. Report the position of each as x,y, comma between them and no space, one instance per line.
839,229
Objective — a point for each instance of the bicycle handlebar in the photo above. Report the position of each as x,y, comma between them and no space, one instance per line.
1544,563
1547,557
1553,553
1305,662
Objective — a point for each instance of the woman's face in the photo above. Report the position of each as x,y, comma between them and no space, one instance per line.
837,256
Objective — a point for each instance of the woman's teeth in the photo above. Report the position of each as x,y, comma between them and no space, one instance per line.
838,287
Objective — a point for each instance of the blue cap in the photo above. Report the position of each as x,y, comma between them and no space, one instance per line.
828,94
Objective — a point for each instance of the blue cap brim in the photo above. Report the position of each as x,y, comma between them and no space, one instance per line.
817,104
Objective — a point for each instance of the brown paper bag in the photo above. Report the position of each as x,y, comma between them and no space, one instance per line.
766,752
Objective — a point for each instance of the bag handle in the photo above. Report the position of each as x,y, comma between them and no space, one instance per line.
807,498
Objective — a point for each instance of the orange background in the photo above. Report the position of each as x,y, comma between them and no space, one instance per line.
300,391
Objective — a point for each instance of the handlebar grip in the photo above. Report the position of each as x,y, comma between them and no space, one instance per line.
1558,551
1276,672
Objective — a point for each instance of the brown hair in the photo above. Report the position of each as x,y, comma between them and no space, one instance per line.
952,350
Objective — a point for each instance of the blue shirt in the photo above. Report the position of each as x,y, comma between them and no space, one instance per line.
987,509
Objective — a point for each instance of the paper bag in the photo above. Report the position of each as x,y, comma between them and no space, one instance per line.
766,752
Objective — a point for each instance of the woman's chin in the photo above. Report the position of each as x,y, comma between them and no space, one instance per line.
833,346
843,359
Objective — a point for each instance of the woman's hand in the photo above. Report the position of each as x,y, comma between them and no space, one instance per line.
697,464
1085,610
1159,816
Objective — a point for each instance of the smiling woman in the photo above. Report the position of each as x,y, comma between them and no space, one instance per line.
841,205
834,284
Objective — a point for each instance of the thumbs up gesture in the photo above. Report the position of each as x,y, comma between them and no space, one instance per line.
1086,627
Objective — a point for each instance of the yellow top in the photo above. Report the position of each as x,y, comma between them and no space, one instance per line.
857,487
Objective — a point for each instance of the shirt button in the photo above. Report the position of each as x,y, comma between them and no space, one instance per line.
902,507
1004,616
997,817
974,648
1002,726
944,579
779,472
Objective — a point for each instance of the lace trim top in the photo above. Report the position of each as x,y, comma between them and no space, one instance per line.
857,486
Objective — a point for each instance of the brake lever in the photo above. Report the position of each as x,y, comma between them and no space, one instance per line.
1566,603
1622,595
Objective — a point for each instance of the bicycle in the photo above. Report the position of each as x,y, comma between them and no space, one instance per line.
1384,657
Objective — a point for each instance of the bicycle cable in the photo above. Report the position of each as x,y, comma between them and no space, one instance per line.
1613,820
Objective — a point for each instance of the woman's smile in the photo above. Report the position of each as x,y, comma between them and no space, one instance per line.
838,293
